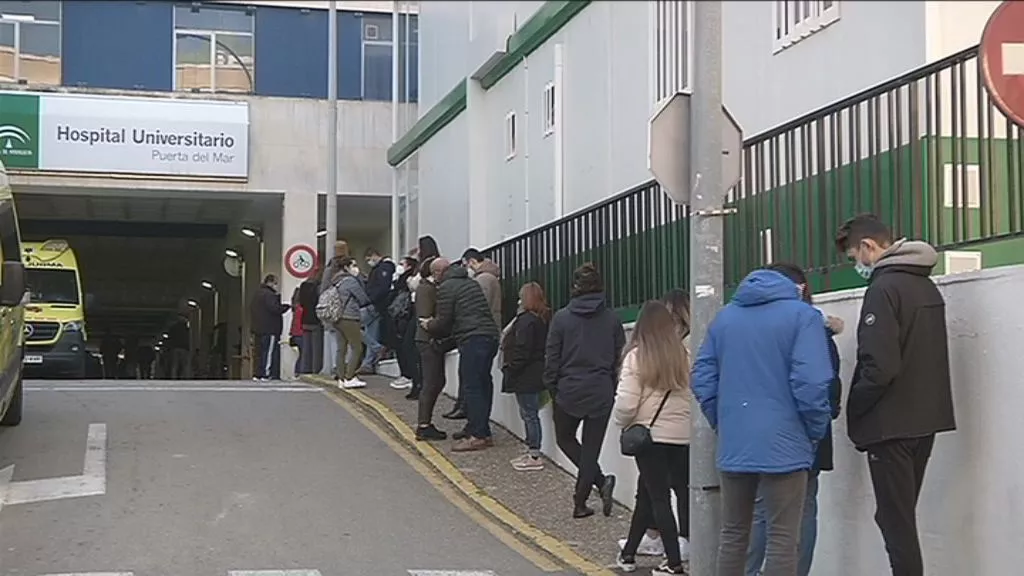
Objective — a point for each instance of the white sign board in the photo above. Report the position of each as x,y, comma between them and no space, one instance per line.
668,152
127,135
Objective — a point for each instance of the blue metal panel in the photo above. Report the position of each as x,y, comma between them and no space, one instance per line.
125,45
291,52
350,55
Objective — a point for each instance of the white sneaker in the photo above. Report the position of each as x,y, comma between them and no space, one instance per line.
648,546
353,383
401,383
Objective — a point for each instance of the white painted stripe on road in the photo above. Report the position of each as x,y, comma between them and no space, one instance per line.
274,573
93,574
171,389
451,573
92,481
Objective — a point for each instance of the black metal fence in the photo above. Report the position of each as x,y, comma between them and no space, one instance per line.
928,152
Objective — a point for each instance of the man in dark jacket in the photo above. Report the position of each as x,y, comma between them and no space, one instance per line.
267,324
179,337
901,394
583,350
378,287
463,313
431,352
312,332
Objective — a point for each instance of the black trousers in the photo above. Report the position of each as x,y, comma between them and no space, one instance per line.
584,455
409,356
432,370
897,474
679,482
659,467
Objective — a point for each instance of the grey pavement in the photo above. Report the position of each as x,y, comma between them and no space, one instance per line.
541,498
220,477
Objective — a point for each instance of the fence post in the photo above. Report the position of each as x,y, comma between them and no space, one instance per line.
706,269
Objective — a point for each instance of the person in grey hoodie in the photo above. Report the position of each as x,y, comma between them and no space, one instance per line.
488,275
583,351
353,300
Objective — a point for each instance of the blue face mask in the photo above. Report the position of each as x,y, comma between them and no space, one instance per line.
863,270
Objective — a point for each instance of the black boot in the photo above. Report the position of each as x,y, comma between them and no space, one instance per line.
456,413
607,494
582,511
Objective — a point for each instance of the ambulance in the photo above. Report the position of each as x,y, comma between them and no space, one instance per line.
55,315
12,307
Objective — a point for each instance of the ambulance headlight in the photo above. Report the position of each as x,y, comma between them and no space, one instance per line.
72,326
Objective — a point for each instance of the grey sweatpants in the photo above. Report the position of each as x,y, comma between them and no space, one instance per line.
784,502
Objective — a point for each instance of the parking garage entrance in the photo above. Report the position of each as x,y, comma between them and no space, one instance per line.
149,271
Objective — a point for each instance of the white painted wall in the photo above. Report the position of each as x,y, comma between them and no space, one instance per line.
970,513
443,203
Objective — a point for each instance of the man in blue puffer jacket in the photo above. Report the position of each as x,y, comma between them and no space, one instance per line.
762,378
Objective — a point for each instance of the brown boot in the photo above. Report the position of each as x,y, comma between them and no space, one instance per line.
470,445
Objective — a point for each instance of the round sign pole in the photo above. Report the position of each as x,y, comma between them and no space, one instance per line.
1001,55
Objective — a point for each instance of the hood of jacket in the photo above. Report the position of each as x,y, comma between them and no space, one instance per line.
764,286
489,267
911,256
456,273
587,304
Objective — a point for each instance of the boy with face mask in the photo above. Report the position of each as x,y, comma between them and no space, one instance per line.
900,395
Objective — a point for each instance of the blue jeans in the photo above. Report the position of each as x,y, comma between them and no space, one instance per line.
371,337
476,355
529,411
808,531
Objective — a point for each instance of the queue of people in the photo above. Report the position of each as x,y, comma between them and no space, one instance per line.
766,377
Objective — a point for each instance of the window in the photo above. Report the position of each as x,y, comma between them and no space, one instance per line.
377,47
794,21
510,135
213,49
52,286
668,63
955,197
549,109
30,42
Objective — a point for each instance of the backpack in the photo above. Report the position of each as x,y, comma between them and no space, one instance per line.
329,306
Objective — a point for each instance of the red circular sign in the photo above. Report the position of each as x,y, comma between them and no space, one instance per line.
1002,59
300,261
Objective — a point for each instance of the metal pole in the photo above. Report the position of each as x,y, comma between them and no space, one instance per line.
396,45
706,269
216,307
332,128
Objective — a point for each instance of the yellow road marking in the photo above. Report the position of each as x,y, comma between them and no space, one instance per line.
446,490
553,546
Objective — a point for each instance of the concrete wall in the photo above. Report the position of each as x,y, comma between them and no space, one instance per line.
969,515
287,149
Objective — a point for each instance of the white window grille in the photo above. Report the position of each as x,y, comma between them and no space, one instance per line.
793,21
549,109
510,135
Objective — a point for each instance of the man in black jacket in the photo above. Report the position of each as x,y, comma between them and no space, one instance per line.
378,287
267,325
463,313
901,394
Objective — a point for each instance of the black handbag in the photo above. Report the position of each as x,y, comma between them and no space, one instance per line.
636,438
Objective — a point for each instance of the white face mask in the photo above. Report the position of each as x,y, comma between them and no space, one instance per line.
471,272
399,270
354,270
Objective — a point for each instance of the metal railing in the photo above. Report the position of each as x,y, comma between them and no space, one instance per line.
928,152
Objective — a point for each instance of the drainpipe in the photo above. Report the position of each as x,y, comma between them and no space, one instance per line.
526,140
559,146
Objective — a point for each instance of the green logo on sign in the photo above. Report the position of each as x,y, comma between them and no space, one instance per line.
19,130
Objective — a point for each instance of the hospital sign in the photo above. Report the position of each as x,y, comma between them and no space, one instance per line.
123,135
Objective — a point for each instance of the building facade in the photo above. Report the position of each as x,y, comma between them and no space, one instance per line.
193,118
535,110
266,49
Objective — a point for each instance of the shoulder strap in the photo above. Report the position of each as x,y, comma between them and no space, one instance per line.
660,407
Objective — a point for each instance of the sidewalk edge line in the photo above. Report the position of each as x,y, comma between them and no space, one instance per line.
469,489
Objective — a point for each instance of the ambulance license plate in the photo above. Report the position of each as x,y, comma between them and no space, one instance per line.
33,360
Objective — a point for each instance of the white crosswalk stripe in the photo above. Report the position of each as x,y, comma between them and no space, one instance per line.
451,573
274,573
297,573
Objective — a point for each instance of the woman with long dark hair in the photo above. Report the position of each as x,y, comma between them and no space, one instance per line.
522,344
654,392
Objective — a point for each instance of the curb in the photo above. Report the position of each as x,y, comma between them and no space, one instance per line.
440,463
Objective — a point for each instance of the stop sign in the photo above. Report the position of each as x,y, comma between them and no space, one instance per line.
1002,59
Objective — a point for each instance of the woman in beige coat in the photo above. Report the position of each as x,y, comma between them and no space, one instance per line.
654,391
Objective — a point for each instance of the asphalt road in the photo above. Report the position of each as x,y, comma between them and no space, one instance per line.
220,477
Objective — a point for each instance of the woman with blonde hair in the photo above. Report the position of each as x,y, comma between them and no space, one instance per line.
653,399
522,345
